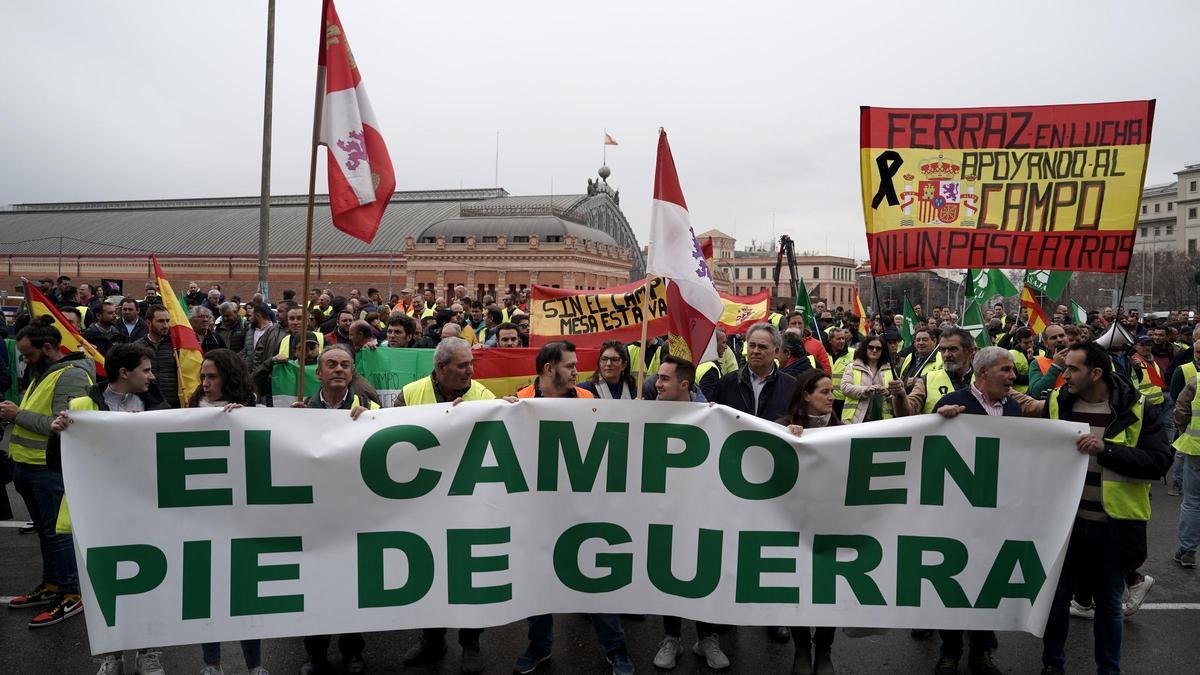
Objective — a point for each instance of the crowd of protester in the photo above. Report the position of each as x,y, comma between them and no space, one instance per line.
1133,381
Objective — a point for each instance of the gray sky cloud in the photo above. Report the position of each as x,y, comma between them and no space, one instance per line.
116,100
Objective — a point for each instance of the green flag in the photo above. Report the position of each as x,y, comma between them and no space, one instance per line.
1078,314
909,328
972,322
1048,283
802,302
985,284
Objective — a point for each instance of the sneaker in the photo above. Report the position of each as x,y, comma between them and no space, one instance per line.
259,671
425,652
710,649
149,663
472,660
979,662
945,666
823,663
67,606
668,652
111,664
44,594
1081,612
212,670
620,662
1186,558
1136,594
27,528
530,660
1175,490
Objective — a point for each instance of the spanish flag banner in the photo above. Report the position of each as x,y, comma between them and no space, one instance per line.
863,321
743,311
1037,317
70,338
188,356
1053,187
504,371
590,318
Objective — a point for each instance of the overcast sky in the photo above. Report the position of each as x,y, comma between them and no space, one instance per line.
109,100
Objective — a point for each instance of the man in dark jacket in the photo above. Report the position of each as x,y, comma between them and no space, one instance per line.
105,332
232,327
158,340
987,394
261,345
1126,450
132,323
758,388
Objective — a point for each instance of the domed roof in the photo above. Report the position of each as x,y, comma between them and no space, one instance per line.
550,222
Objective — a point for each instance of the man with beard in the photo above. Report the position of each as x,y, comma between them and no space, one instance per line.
104,333
923,358
957,348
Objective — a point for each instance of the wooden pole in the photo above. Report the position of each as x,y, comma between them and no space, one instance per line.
641,364
308,228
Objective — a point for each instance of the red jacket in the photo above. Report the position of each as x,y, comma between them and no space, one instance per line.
817,350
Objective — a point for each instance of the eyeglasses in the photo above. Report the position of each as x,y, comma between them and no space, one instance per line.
874,348
611,359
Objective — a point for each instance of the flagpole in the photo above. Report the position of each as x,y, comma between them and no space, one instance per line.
604,148
888,347
308,225
264,207
641,364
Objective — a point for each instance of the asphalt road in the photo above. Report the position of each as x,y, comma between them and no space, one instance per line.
1163,638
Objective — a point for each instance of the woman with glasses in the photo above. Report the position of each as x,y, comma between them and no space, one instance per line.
225,383
865,383
612,379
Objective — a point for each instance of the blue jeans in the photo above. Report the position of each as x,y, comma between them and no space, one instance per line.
42,490
607,626
251,651
1189,508
1092,557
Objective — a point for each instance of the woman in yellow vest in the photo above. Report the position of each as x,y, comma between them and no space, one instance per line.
865,383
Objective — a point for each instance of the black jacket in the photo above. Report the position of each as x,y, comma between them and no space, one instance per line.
140,329
735,391
965,398
166,369
102,339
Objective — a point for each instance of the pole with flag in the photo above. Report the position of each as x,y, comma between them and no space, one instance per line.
972,322
1079,315
361,178
188,356
1037,318
909,327
693,306
608,140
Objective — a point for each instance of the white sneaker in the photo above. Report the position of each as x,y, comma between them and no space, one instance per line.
1080,612
111,664
212,670
148,663
1135,595
710,649
668,651
259,671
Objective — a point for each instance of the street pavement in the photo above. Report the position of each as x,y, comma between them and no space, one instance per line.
1162,638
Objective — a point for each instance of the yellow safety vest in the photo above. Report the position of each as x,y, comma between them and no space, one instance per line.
420,392
285,345
1189,371
703,369
1123,498
83,310
1189,441
1020,365
774,318
937,385
63,525
1146,386
838,368
852,403
931,364
26,446
428,311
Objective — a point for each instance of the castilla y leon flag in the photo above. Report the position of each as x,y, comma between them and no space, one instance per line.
693,306
1042,187
70,338
1037,317
361,179
188,356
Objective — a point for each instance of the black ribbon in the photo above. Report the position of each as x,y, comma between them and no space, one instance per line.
889,164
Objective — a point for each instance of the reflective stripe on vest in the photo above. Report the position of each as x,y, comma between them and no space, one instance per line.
1123,498
1146,386
29,447
420,392
937,385
839,366
285,345
1189,441
852,403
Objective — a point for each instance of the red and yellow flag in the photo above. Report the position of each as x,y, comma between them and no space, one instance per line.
504,371
1037,318
71,340
187,348
743,311
863,322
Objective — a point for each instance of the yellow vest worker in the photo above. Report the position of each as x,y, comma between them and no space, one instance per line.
839,366
937,385
852,403
421,392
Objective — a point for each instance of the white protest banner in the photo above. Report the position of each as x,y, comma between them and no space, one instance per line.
202,526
